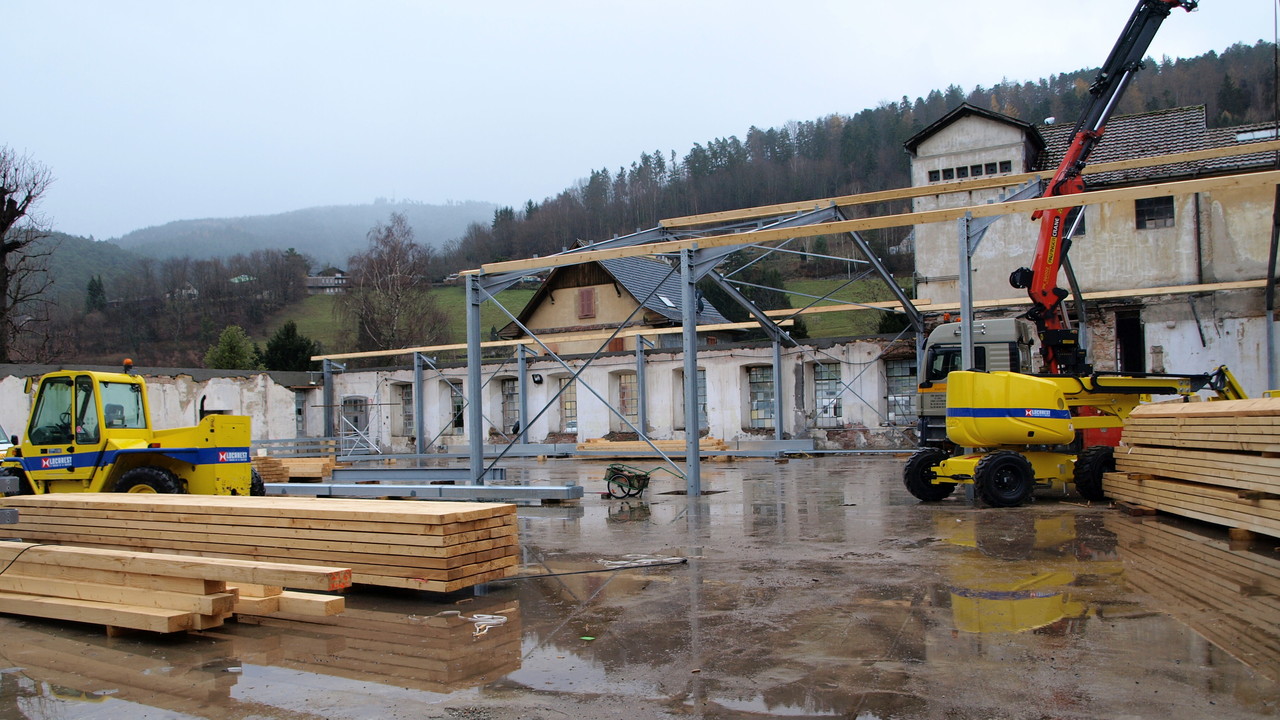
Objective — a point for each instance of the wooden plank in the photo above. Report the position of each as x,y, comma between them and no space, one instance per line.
958,186
1252,407
181,538
1163,189
440,534
87,611
258,605
306,577
330,557
160,583
310,604
210,604
426,512
504,535
1160,496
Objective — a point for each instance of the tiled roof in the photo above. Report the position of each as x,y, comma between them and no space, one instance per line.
1164,132
654,279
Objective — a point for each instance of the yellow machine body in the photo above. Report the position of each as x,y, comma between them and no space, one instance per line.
88,430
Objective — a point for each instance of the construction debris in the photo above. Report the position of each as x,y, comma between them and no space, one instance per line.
433,546
1215,461
147,591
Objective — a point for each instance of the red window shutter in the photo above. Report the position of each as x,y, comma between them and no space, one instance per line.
586,302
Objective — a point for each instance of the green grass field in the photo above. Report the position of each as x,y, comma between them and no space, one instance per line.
315,319
840,324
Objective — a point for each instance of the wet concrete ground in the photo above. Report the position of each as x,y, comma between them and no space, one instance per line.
813,588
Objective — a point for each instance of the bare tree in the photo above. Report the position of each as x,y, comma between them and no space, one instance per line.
23,258
388,303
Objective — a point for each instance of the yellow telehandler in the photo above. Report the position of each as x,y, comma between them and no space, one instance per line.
91,432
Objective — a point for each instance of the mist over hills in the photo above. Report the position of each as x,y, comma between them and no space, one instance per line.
328,234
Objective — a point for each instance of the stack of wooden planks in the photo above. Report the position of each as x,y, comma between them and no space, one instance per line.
291,469
433,546
404,642
146,591
640,448
1213,461
1226,595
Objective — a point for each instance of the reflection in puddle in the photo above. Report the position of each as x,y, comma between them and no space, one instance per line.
1017,571
1226,594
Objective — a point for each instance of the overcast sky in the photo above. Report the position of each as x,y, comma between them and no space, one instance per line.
148,112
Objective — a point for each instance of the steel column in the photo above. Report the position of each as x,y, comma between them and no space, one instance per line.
522,368
419,408
692,431
475,405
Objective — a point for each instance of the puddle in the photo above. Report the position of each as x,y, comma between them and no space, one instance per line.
816,588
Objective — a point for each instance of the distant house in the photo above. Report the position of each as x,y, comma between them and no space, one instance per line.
601,296
330,281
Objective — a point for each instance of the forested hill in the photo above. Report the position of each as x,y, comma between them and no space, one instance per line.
842,154
329,235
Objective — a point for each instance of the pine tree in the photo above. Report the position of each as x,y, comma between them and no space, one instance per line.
289,350
95,296
233,351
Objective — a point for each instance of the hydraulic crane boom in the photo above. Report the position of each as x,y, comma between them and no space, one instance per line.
1058,339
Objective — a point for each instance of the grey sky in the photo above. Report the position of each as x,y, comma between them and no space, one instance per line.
149,112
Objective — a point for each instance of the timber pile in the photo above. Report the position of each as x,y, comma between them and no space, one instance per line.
639,448
291,469
433,546
1214,461
1227,596
391,644
145,591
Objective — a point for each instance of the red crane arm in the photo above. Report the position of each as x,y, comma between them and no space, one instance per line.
1058,343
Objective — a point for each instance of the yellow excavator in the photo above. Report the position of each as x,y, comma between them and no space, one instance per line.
91,432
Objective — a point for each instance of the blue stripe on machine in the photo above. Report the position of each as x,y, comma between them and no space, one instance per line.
1023,413
195,456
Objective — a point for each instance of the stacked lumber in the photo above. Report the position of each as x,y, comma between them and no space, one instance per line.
410,644
640,448
433,546
1228,596
1218,462
292,469
143,591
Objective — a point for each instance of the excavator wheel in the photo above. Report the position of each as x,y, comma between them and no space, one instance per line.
257,487
1090,466
148,479
1004,478
918,475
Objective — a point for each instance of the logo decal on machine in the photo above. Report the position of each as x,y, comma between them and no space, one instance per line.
61,461
233,456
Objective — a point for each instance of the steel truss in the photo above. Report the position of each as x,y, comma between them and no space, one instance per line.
694,264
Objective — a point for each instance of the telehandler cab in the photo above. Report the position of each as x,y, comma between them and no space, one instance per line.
91,432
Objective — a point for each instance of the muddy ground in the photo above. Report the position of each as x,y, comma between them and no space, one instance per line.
813,588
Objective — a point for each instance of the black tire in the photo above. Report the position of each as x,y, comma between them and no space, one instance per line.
1090,466
257,488
1004,478
618,485
148,479
918,475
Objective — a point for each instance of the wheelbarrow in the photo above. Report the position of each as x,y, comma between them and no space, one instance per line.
626,481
